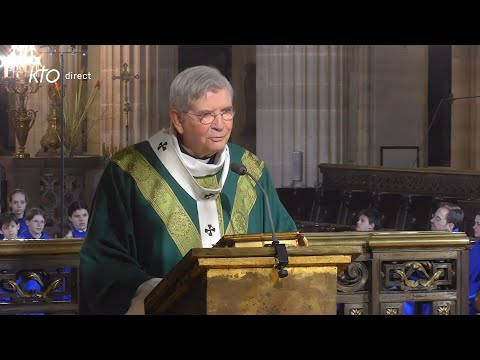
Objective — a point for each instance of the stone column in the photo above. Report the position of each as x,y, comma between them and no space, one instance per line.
358,127
244,85
465,126
148,96
300,107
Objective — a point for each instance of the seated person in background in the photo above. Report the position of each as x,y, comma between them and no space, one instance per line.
474,272
35,225
78,216
369,220
9,226
18,201
448,217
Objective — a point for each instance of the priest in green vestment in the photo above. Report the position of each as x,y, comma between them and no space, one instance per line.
160,198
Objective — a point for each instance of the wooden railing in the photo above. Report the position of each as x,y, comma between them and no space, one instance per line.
425,181
39,276
389,269
394,268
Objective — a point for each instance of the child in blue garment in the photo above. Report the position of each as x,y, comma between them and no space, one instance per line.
8,231
9,226
78,217
18,201
35,220
369,220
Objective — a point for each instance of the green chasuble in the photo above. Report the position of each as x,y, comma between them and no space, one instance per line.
142,222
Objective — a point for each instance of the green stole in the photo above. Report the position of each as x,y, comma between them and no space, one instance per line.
176,219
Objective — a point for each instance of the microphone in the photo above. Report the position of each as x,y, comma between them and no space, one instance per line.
280,249
239,168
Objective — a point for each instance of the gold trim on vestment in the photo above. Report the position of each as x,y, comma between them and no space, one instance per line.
161,197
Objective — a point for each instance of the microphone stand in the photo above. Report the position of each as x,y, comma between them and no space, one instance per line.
430,126
280,249
450,99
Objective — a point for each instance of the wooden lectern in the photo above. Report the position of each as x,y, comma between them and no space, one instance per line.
243,279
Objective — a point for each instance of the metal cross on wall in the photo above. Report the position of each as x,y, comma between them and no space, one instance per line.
125,76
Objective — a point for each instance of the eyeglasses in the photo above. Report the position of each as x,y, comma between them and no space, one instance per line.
208,117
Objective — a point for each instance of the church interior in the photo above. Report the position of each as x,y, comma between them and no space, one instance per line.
341,128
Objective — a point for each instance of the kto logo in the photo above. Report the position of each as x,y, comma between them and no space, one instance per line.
48,76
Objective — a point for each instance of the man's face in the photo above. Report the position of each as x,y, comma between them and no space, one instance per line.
439,221
363,224
202,140
10,231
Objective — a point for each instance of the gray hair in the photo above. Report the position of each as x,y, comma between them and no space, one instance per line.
194,82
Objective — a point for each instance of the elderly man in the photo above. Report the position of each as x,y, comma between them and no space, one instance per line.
173,192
